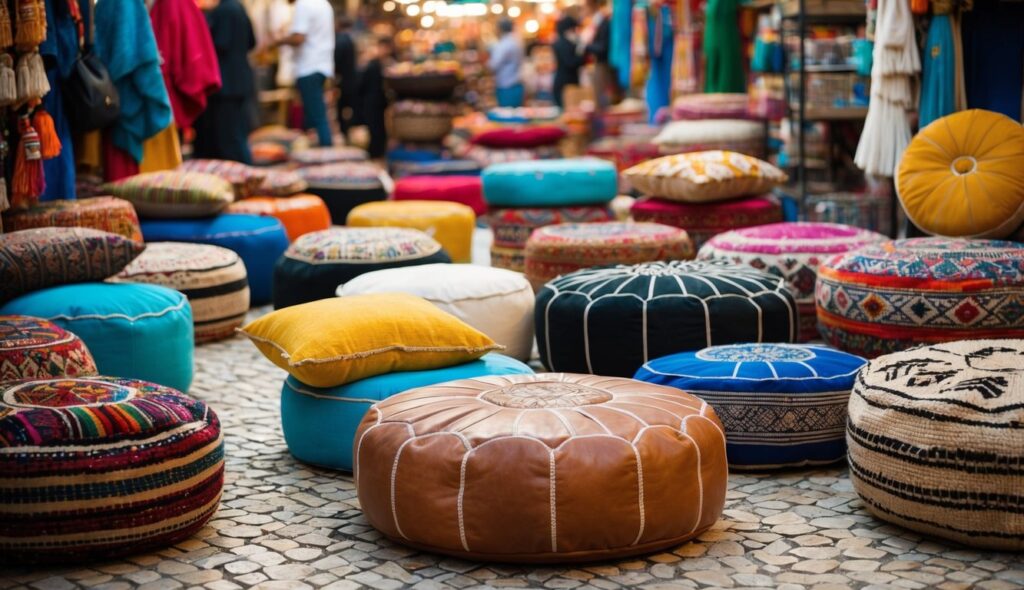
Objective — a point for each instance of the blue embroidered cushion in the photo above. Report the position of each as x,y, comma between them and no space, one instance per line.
782,405
550,183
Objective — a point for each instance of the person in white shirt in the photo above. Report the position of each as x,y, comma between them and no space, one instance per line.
506,62
312,36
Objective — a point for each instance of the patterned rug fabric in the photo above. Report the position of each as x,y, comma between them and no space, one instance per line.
213,279
611,320
92,468
704,221
300,214
897,294
782,405
508,258
560,249
34,348
792,251
936,441
512,227
108,214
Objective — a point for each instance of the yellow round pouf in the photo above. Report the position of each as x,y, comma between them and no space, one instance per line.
449,223
961,176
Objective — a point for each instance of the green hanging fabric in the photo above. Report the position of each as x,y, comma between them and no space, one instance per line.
722,47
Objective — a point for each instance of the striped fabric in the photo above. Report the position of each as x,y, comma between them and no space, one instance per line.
92,468
174,193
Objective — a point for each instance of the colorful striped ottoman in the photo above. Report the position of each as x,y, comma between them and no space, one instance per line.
560,249
792,251
782,405
611,320
550,183
898,294
345,185
936,441
451,224
512,227
213,279
467,190
704,221
300,214
34,348
108,214
93,468
513,259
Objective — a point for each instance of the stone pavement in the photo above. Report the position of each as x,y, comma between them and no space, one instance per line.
285,525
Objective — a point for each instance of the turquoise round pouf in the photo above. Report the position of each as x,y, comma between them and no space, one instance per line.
320,423
550,183
134,330
782,405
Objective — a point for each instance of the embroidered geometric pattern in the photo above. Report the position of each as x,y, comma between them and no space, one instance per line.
34,348
354,245
108,214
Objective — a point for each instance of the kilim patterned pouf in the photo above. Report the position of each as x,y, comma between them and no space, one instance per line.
704,221
451,224
936,441
97,467
345,185
782,405
550,183
559,249
513,259
319,423
894,295
792,251
541,468
512,227
316,264
611,320
299,215
34,348
213,279
108,214
467,190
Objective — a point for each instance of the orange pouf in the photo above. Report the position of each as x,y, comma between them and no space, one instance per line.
300,215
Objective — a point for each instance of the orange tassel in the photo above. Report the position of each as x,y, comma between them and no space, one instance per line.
919,6
28,182
49,141
6,36
30,24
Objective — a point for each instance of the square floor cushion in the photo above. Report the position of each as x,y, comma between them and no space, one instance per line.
701,177
174,193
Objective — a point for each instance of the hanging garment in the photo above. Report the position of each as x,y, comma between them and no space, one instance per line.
126,44
59,51
162,151
938,87
722,46
993,46
661,42
639,65
621,40
190,68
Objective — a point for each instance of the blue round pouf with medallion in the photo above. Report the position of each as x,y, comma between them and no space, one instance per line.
782,405
320,423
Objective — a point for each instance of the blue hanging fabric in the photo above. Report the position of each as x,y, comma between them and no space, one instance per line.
621,40
661,45
938,88
60,50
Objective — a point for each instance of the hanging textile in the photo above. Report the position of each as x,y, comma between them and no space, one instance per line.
190,68
938,86
723,70
59,50
162,151
684,63
993,45
638,67
621,40
661,49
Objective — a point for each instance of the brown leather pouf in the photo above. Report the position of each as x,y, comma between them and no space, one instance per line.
541,468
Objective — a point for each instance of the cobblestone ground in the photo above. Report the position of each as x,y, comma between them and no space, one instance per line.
285,525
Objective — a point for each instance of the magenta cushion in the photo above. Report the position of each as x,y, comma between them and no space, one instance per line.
520,137
705,220
467,190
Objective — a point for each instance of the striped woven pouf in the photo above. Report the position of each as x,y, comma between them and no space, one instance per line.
936,442
213,279
96,467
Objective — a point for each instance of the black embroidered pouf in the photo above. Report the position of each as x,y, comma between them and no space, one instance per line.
611,320
936,441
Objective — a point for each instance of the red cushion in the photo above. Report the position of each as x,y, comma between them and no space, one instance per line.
520,137
460,189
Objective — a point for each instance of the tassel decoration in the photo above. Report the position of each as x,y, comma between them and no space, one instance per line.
8,81
31,76
30,24
49,141
28,182
6,34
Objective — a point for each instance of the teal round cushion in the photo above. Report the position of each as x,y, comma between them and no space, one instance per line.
550,183
134,330
320,423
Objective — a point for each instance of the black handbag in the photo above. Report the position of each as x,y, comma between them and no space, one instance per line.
90,97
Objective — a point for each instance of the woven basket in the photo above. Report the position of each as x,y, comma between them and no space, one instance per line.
428,86
421,127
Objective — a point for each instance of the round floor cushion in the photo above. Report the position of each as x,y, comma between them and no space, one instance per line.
706,220
550,183
329,155
792,251
299,215
451,224
97,467
213,279
611,320
722,105
259,240
782,405
345,185
108,214
467,190
512,227
132,330
497,302
541,468
318,263
936,441
960,176
898,294
560,249
34,348
320,424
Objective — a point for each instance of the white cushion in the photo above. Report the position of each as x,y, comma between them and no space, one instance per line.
497,302
708,131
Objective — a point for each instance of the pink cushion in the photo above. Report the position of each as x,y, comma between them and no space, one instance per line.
704,220
521,137
460,189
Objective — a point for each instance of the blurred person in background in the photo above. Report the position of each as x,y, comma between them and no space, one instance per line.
598,45
312,36
373,99
348,77
568,58
506,62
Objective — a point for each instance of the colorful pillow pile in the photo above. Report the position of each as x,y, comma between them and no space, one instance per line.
245,179
711,106
174,193
421,120
300,214
736,135
108,214
34,348
318,156
451,224
345,185
467,190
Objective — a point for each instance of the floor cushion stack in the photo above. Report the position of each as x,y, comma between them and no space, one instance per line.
782,405
560,249
34,348
935,441
108,214
704,221
451,224
586,468
93,468
792,251
467,190
898,294
316,264
511,228
722,105
495,301
345,185
258,240
299,214
612,320
213,279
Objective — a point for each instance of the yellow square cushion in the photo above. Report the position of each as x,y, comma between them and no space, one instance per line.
699,177
335,341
